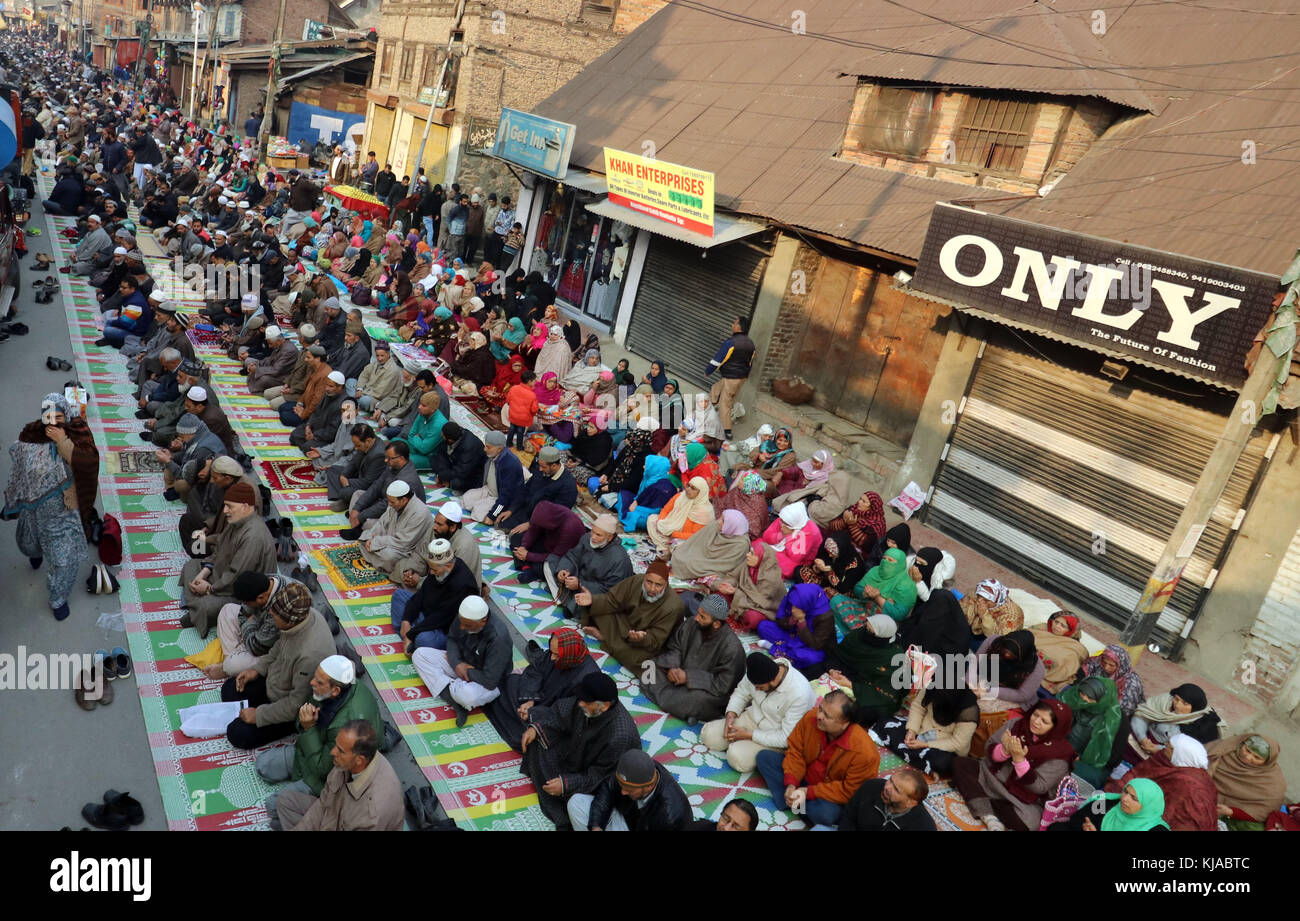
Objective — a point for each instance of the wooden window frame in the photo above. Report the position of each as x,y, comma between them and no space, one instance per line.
998,145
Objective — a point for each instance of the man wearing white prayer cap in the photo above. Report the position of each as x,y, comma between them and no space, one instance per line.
337,698
96,242
449,525
322,423
396,540
470,671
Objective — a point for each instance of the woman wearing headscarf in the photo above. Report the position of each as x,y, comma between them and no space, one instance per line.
442,328
884,589
864,664
508,375
1139,806
591,451
553,673
696,461
602,396
1246,773
53,483
582,375
1183,711
686,513
629,468
1181,769
773,465
864,521
707,423
391,302
990,610
932,569
1094,704
656,377
669,411
623,376
510,341
715,550
554,356
837,568
1005,675
652,494
1114,663
803,630
899,536
937,731
755,586
1026,761
749,497
818,468
1059,648
937,626
477,368
794,537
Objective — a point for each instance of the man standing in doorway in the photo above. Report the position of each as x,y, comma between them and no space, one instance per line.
733,362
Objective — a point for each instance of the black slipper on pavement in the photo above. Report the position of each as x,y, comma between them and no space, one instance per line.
128,804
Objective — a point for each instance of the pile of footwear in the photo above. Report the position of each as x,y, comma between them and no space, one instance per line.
94,685
45,289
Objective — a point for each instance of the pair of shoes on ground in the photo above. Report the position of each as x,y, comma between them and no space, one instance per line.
117,664
93,686
57,364
118,812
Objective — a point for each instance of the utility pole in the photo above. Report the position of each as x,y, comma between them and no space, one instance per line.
1249,409
142,64
211,49
196,13
433,104
271,80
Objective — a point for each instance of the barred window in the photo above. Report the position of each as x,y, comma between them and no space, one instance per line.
994,132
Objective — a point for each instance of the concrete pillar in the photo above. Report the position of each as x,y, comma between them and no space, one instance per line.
761,326
939,413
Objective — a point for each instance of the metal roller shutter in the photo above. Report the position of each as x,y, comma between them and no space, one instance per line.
1054,475
687,300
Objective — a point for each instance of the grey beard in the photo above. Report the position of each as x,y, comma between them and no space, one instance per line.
651,598
444,577
601,545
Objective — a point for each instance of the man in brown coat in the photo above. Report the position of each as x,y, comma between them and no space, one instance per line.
295,414
245,544
635,618
362,793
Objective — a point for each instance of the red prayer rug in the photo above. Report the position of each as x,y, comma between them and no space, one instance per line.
289,474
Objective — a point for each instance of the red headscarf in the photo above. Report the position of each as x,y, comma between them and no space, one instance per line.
508,374
572,648
545,395
1053,745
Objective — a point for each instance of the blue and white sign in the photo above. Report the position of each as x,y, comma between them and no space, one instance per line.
535,143
312,124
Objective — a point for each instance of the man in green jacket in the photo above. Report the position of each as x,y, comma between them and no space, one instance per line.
425,433
337,698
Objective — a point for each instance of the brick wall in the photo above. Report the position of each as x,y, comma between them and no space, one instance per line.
1274,639
791,318
631,13
260,17
517,52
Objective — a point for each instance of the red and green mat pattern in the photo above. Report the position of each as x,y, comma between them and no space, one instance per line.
206,784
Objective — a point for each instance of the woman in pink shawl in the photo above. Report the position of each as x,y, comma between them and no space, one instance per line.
818,468
533,344
548,389
794,538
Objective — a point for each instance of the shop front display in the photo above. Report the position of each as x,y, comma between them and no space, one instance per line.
582,255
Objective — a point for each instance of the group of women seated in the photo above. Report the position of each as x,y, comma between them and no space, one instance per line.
831,591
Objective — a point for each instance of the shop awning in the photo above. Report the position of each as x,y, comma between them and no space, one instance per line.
725,229
289,79
1057,337
587,182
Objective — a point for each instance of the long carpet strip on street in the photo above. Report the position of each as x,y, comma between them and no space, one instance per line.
208,785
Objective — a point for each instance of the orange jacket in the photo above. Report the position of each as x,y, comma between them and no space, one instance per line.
853,760
523,404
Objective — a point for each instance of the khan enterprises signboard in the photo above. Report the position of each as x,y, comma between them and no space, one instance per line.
680,195
1171,311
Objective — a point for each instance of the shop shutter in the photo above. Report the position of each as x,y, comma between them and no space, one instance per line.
1052,473
686,301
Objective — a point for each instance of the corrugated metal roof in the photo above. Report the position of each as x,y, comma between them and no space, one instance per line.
728,88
